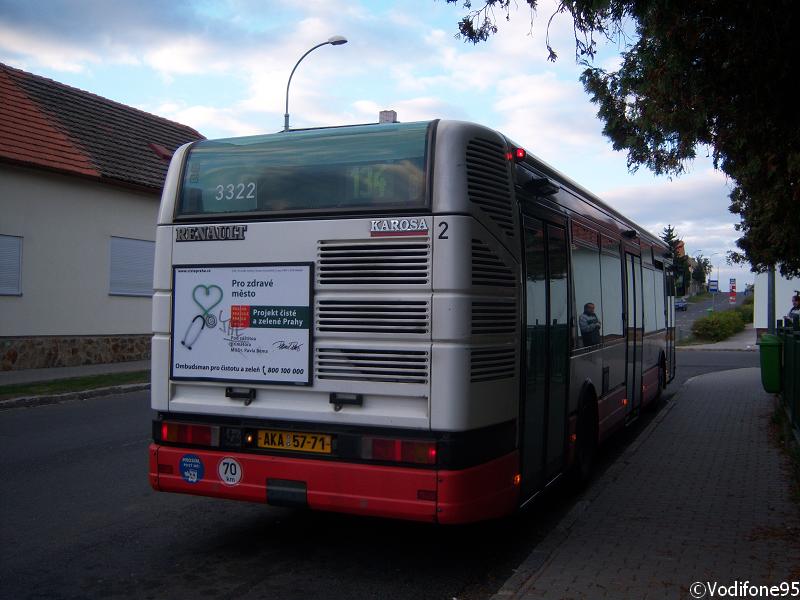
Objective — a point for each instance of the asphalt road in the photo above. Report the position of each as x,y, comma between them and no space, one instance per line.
685,318
79,520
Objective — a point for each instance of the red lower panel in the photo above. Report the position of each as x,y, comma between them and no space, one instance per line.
472,494
483,492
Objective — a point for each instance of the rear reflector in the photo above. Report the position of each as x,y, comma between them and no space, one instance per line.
429,495
195,435
405,451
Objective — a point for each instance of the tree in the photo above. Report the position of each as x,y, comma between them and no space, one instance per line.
702,268
680,262
717,74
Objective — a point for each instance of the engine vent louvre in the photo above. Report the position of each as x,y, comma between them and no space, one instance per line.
488,268
494,317
369,364
387,262
373,316
491,364
488,182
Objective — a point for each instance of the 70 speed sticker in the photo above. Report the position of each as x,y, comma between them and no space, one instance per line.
229,471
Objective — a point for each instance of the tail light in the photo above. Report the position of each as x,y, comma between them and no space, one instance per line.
191,434
421,452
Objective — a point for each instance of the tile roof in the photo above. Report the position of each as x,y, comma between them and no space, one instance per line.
50,125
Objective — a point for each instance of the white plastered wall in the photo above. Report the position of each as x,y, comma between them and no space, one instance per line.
66,223
784,290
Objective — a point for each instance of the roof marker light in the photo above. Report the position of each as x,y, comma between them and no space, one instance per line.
516,154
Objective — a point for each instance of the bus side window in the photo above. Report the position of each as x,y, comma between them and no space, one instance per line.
588,296
611,277
650,306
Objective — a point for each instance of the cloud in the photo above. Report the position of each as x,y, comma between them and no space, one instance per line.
202,118
548,116
22,47
186,55
696,205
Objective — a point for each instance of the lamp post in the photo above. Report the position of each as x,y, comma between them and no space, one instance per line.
714,296
336,40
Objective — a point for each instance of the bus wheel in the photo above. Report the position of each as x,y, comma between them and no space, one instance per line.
662,381
586,442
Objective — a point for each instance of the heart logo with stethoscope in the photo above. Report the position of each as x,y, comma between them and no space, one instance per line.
206,297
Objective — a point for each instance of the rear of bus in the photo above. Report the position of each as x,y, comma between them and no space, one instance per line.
336,323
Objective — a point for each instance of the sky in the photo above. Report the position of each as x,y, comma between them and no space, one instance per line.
222,66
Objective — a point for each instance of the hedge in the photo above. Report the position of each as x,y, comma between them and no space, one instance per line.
746,310
719,325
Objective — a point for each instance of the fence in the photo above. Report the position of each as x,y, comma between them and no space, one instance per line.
789,334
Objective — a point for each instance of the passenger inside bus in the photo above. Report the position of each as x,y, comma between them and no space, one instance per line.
589,325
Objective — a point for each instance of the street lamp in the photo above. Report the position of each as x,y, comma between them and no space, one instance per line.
336,40
714,296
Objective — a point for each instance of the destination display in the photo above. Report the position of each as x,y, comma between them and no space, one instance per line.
242,323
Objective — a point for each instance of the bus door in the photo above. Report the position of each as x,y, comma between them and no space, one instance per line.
670,320
634,331
544,406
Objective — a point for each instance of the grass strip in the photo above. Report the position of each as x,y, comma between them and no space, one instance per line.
73,384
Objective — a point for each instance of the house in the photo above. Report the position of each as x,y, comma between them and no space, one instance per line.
80,184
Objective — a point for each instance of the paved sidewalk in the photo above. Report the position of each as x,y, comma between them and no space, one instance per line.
702,495
37,375
744,340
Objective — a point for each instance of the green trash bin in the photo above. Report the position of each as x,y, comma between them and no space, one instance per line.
770,351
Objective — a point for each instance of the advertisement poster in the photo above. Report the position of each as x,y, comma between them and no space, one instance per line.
242,323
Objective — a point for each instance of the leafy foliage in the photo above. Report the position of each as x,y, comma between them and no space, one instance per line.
702,268
716,74
746,311
719,325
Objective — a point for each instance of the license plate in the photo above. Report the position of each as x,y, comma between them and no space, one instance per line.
295,441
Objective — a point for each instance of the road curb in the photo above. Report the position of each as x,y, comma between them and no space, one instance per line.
542,555
29,401
705,348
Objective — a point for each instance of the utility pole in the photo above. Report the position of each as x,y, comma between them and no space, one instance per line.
771,299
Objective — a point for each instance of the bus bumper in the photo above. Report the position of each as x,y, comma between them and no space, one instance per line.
482,492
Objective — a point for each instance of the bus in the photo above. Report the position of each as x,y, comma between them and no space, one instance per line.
417,321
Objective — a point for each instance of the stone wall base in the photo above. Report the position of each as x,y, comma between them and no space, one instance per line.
17,353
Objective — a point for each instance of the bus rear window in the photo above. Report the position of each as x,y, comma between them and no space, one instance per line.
370,167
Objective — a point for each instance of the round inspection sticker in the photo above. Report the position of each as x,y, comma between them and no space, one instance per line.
191,468
229,471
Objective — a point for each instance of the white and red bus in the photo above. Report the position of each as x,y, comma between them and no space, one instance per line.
418,321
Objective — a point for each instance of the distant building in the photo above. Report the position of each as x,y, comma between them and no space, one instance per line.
81,178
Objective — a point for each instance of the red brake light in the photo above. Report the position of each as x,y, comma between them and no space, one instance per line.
516,154
407,451
385,449
419,452
196,435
